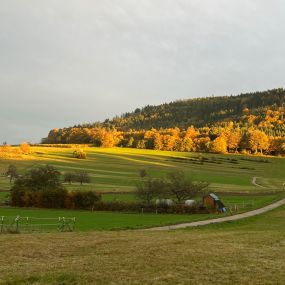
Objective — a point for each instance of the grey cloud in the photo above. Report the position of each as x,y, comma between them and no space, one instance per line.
64,62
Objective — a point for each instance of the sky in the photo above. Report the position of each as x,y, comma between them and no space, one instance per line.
64,62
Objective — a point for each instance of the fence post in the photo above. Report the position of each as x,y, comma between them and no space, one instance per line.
73,224
2,224
63,224
17,223
59,223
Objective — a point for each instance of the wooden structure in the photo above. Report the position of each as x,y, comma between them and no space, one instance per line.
31,224
213,203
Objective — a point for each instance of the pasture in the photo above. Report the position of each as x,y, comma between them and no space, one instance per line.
250,251
91,221
114,173
107,248
115,170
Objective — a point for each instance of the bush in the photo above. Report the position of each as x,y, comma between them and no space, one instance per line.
53,198
79,153
69,177
41,187
25,148
84,200
39,178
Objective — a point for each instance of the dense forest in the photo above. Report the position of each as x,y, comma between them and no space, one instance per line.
252,122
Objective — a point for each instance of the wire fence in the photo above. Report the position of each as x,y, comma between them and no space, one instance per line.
236,207
32,224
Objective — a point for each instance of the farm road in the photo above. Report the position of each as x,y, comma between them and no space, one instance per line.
254,182
223,219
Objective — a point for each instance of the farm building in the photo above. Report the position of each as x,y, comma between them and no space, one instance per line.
212,202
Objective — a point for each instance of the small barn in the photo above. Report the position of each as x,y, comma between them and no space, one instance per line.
213,203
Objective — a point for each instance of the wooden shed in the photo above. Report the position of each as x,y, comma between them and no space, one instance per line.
213,203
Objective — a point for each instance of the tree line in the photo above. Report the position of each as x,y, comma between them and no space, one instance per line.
213,124
221,138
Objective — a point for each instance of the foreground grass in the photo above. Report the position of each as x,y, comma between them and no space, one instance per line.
243,252
89,221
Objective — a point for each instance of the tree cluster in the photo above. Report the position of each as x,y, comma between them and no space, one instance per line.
176,186
224,138
42,187
7,151
77,176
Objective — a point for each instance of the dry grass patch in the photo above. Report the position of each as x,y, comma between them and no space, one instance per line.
133,257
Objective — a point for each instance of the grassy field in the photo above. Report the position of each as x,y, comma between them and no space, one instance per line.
90,221
250,251
114,173
116,170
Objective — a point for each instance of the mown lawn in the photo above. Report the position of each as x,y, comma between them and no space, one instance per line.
90,221
250,251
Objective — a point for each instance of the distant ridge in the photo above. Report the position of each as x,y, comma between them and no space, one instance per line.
198,112
247,123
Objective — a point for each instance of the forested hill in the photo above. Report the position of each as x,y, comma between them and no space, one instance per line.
253,122
197,112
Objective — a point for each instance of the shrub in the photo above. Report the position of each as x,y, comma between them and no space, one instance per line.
79,153
25,148
39,178
84,200
12,172
69,177
82,177
53,198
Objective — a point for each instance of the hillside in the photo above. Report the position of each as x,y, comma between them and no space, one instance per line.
198,112
252,122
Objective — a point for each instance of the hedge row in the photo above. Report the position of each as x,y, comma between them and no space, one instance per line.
59,198
148,208
90,200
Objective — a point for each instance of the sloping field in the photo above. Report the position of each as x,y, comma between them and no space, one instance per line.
116,169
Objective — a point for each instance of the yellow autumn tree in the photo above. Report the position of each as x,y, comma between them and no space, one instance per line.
25,148
234,139
258,141
219,145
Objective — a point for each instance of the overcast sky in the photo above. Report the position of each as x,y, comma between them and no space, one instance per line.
68,62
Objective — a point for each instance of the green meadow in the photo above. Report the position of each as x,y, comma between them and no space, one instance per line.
114,173
91,221
115,170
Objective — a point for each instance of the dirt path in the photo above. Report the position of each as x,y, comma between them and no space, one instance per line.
221,220
254,182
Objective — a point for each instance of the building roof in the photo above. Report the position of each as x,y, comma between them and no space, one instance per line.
214,196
